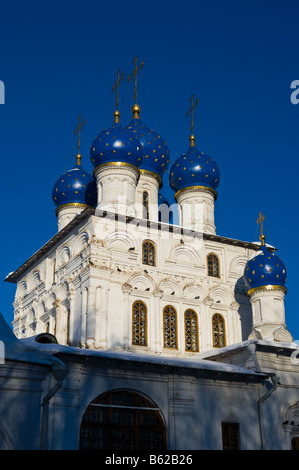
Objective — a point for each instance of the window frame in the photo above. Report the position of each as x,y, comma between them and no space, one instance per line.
116,415
218,332
194,315
229,434
153,246
216,258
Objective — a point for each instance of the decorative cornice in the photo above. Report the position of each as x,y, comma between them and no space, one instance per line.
72,204
113,165
197,188
266,288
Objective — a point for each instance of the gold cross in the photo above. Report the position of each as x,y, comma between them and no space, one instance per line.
134,74
116,85
78,131
193,106
260,221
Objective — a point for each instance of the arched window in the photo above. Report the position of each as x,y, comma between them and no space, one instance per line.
122,420
230,436
145,204
218,331
148,253
169,327
213,265
191,330
139,321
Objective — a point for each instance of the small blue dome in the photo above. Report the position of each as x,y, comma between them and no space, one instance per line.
156,153
265,269
194,168
116,144
162,199
76,186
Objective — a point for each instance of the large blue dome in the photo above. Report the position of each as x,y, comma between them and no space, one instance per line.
75,187
194,168
156,153
265,270
116,145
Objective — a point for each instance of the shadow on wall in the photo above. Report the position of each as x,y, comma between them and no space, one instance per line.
244,309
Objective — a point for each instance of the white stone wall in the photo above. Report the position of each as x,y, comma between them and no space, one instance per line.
83,289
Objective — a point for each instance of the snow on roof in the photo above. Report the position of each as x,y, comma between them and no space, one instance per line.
183,363
237,347
14,349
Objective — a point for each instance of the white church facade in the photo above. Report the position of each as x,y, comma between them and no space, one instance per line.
132,332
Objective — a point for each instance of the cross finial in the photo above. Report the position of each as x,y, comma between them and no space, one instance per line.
194,103
78,131
260,222
116,86
135,108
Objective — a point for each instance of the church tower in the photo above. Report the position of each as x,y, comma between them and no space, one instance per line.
194,177
74,190
265,276
154,164
110,279
116,155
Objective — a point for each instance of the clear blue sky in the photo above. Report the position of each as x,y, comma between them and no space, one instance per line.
59,59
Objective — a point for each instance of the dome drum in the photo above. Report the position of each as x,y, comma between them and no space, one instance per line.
116,182
194,177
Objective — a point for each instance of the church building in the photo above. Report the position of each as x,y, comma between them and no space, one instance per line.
132,332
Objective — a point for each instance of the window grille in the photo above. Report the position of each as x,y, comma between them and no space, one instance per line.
218,331
230,436
191,331
170,327
122,420
139,323
213,265
148,253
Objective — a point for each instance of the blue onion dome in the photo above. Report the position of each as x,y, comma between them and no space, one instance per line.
194,169
116,146
156,153
265,270
76,187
